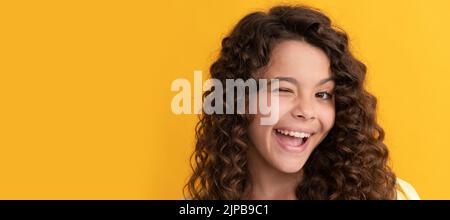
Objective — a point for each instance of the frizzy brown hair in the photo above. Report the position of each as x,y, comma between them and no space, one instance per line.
350,163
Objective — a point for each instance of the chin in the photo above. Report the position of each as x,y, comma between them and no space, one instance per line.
291,168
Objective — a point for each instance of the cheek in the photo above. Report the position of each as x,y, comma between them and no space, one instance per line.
327,116
258,133
285,106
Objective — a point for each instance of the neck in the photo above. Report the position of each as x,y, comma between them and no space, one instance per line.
267,182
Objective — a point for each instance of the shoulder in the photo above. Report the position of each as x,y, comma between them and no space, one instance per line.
406,191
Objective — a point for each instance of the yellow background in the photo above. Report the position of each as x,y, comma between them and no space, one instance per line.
85,90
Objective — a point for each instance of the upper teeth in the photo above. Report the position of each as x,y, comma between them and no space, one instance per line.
294,133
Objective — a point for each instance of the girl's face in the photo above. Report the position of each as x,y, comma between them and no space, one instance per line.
306,107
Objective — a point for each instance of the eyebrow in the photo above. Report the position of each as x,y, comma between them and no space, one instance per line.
294,81
323,81
287,79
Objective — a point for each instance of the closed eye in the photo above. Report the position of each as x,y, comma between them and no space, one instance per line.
284,90
324,95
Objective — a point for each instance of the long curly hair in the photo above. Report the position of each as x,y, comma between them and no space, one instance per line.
350,163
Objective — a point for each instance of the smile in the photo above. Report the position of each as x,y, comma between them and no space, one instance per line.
292,140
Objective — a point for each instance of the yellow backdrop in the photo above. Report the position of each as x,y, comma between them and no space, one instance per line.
85,90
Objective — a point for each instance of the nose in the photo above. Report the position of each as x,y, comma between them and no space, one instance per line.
304,109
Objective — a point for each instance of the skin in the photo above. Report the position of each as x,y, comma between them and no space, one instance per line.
306,102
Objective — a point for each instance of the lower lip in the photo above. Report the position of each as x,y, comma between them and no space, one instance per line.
294,149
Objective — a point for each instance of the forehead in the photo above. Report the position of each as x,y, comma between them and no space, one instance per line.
300,60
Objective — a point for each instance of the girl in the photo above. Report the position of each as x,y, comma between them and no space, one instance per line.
326,143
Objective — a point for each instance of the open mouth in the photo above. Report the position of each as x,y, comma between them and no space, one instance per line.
291,138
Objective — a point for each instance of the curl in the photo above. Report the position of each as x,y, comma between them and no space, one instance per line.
350,163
